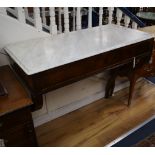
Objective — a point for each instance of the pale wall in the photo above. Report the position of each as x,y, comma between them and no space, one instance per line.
11,31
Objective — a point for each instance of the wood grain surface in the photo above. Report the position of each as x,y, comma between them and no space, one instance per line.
100,122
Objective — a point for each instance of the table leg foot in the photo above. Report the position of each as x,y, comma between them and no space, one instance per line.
110,87
37,101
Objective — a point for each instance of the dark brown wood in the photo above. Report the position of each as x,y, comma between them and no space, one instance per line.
16,128
16,125
124,70
17,97
37,101
142,69
3,91
147,70
46,81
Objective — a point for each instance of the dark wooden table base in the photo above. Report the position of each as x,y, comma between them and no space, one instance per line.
61,76
142,69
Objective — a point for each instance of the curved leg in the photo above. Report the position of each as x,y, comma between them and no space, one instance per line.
37,101
110,86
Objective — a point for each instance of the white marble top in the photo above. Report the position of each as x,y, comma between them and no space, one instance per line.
38,55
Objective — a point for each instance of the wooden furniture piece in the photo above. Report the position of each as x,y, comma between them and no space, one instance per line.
16,125
143,69
49,63
126,71
3,90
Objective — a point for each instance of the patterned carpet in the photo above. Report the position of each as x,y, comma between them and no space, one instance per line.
147,142
150,140
140,137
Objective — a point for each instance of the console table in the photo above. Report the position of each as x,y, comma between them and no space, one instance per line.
49,63
16,125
